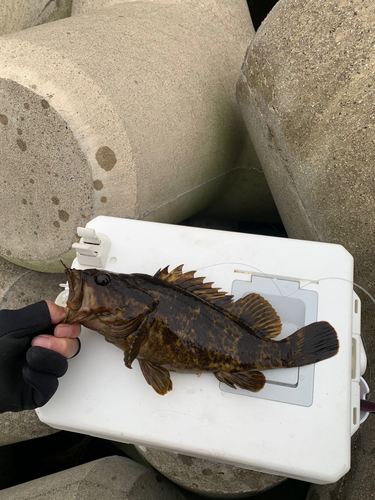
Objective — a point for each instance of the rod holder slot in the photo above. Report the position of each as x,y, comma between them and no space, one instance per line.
92,249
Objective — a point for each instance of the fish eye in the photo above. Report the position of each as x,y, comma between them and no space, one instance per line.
102,279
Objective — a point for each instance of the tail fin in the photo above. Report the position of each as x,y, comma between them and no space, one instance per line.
311,344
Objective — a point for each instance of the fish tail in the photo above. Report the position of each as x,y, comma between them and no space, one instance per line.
311,344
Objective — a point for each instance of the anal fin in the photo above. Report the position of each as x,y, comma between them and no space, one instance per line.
158,377
249,381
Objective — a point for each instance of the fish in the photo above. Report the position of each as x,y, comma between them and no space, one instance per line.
175,321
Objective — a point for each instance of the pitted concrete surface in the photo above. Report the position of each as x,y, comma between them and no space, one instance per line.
27,287
46,188
208,478
22,426
306,92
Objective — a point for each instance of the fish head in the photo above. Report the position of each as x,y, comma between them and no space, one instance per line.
103,301
89,293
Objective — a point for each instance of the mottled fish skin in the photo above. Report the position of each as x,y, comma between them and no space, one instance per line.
175,322
189,334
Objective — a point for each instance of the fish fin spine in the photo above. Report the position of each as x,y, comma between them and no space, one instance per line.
250,381
195,285
310,344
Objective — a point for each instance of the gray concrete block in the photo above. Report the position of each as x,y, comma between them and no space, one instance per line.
9,274
110,478
22,426
16,15
21,287
245,195
203,477
311,122
83,6
152,132
324,492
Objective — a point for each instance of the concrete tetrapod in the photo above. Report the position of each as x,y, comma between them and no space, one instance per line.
16,15
105,479
127,111
211,479
20,287
82,6
306,93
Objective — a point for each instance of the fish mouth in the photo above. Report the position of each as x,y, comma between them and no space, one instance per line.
75,297
77,311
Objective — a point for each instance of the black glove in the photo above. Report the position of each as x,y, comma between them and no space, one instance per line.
28,375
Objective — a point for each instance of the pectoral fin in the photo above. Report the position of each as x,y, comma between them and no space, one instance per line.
156,376
136,339
117,331
249,381
132,351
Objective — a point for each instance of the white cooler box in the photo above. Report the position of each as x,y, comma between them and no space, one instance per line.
300,425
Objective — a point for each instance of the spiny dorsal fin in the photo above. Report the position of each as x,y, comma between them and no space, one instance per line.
258,312
165,275
194,285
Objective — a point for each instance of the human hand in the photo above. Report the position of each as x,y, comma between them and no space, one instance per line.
29,373
65,337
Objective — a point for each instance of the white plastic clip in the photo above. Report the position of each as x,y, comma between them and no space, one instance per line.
93,249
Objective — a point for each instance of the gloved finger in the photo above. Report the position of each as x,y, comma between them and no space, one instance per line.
66,347
44,384
26,321
69,331
46,361
56,312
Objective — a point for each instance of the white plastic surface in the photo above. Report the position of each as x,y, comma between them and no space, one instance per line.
100,397
92,249
358,363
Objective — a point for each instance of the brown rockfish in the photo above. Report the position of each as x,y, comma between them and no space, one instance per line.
173,321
